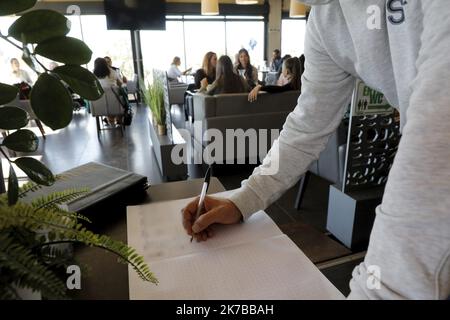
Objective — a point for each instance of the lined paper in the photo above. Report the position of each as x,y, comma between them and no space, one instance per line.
252,260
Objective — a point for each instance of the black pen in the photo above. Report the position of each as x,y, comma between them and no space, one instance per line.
201,200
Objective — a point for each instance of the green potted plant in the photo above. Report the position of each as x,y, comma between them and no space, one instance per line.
154,97
29,233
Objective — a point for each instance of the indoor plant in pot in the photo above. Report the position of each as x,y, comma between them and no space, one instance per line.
155,100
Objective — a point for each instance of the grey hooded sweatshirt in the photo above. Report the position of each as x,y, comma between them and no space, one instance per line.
408,59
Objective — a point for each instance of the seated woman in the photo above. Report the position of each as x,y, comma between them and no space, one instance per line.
174,72
207,71
226,80
245,69
107,78
292,71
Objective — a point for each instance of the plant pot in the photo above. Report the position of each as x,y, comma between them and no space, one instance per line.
162,130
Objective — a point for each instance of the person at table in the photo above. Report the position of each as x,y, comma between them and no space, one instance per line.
292,71
227,81
207,71
245,69
19,75
116,70
277,61
174,72
281,80
108,79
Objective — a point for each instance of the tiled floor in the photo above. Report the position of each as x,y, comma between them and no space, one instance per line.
79,144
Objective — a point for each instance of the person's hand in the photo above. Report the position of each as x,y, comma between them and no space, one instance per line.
216,210
253,95
204,83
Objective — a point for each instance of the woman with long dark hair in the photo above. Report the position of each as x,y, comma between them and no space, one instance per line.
108,79
292,71
208,69
245,69
226,80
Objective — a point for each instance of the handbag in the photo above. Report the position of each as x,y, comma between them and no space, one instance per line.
127,111
127,117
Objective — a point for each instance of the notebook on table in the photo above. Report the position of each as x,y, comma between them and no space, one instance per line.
102,182
252,260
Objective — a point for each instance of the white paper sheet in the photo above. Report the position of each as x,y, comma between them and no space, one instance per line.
253,260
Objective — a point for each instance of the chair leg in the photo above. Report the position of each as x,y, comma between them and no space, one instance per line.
97,121
301,190
41,127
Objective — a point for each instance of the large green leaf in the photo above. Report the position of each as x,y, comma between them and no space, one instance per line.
13,187
39,25
35,170
12,118
81,81
22,141
51,102
7,93
8,7
67,50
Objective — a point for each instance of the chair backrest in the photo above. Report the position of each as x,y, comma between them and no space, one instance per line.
132,85
109,104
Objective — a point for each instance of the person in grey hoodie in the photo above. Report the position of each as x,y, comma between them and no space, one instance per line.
400,48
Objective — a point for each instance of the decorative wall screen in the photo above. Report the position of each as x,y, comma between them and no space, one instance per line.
373,138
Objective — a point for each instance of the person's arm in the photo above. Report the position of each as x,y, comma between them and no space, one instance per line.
277,89
410,242
255,76
327,91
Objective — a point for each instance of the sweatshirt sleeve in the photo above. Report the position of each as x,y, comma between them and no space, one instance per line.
409,251
327,91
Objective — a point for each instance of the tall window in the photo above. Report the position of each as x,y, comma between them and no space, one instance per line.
201,37
190,37
248,35
160,47
293,36
103,42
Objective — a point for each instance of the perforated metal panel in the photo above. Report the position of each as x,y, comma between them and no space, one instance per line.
373,138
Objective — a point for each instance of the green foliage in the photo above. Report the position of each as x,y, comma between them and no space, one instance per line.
13,187
50,91
8,7
35,170
82,81
7,93
66,50
12,118
154,97
39,25
22,141
28,261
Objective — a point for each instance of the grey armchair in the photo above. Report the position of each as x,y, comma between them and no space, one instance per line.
108,105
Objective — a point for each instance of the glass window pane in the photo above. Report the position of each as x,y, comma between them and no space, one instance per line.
292,37
8,51
159,48
201,37
248,35
103,42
